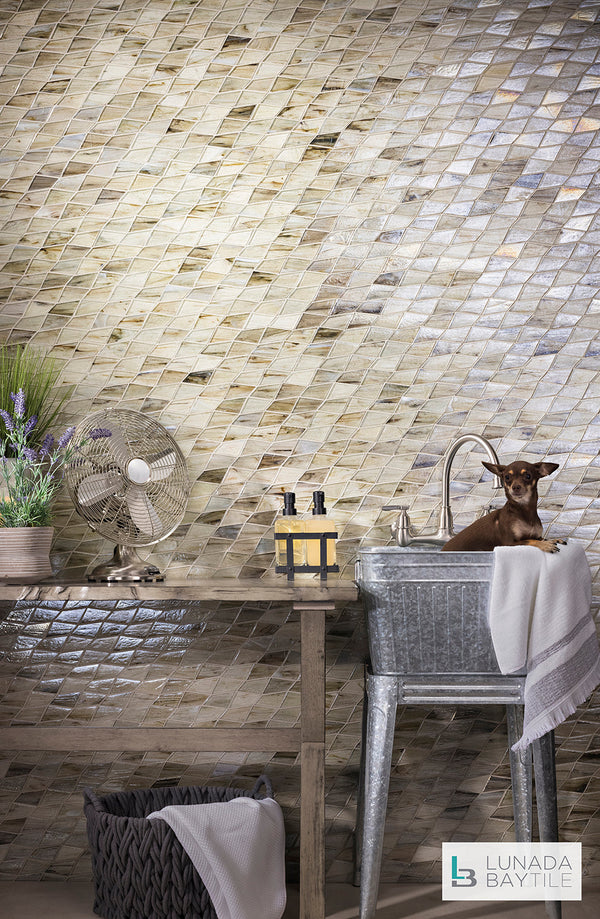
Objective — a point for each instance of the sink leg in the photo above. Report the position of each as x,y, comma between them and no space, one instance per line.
521,776
382,694
545,793
360,802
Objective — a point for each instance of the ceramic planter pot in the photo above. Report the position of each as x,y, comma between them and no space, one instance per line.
25,554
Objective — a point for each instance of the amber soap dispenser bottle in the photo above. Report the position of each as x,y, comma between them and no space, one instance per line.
289,522
319,523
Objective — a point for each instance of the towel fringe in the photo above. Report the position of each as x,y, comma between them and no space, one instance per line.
561,712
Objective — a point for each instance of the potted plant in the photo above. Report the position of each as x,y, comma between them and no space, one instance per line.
31,484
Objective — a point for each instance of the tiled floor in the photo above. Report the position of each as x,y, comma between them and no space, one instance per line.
72,900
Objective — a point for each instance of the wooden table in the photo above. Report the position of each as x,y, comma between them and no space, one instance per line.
312,600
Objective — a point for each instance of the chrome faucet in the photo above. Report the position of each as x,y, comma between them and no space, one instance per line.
402,530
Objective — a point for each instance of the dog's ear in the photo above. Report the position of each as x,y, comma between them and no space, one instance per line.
496,468
545,468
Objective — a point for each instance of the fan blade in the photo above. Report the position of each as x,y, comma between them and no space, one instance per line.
142,512
163,465
118,446
97,486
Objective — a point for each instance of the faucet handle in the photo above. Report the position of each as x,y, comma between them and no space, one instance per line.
400,528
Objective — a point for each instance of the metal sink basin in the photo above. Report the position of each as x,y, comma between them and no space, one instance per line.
427,610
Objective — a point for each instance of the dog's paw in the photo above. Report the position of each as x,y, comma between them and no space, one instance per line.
551,545
546,545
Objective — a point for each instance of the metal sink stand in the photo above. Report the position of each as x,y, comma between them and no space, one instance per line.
430,644
383,692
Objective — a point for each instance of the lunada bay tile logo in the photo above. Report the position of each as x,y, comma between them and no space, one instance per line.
511,871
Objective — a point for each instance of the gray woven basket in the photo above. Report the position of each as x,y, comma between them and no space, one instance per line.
141,870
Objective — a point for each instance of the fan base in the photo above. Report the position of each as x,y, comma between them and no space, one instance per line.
125,565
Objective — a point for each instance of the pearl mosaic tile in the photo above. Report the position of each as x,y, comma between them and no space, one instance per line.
317,240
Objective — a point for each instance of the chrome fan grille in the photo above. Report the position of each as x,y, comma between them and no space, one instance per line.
132,487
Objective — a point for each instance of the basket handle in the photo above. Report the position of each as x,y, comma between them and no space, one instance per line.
93,799
266,781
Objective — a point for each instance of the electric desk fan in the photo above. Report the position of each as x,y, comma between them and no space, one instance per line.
131,487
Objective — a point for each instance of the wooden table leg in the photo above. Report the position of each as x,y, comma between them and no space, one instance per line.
312,782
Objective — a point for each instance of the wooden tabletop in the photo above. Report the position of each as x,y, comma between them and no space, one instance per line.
307,591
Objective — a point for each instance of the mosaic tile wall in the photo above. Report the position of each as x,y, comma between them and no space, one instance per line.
317,241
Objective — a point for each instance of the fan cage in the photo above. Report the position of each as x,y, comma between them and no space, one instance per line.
133,436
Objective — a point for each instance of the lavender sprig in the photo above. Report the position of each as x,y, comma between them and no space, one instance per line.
47,445
19,401
29,426
7,420
98,433
64,439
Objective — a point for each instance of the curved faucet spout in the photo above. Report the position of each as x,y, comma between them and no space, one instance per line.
402,530
451,453
446,514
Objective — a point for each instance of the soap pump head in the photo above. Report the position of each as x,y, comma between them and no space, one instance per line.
319,502
289,504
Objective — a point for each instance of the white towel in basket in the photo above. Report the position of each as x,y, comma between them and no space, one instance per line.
237,848
540,620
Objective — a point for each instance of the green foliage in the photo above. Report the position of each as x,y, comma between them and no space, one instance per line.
36,373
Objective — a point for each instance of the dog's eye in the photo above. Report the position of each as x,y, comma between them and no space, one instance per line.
526,476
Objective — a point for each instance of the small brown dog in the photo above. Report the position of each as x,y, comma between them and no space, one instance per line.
515,524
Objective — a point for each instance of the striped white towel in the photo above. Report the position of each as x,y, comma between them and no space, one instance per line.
237,848
540,621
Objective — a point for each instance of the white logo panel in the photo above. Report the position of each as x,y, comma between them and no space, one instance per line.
511,871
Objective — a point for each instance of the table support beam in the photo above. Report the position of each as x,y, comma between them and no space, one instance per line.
151,740
312,789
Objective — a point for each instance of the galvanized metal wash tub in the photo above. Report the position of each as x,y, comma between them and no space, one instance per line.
427,610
